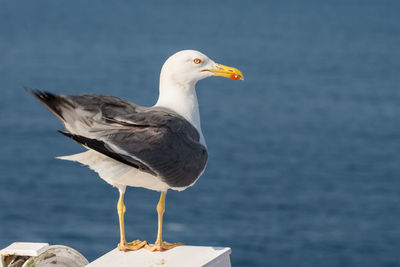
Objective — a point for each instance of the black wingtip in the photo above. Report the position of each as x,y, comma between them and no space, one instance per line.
77,138
36,93
64,133
101,147
51,101
40,95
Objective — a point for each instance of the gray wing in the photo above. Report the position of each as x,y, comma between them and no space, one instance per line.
154,140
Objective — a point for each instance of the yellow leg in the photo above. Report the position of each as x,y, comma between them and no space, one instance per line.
123,245
160,245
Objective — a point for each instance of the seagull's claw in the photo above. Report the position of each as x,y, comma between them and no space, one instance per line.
134,245
161,246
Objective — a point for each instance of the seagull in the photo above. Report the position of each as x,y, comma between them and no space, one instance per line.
159,148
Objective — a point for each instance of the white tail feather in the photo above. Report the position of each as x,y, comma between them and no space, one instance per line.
117,173
106,167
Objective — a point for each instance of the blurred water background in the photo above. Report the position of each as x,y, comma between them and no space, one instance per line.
303,155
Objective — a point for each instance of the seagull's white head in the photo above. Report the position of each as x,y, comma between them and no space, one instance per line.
178,78
187,67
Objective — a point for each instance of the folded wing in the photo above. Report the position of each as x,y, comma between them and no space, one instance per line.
154,140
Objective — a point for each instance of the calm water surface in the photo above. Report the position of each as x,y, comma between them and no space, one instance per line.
303,155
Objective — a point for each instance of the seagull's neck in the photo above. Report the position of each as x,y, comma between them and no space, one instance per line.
182,99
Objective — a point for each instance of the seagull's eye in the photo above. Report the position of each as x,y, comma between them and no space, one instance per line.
197,61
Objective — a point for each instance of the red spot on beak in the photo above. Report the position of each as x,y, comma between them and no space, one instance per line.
234,77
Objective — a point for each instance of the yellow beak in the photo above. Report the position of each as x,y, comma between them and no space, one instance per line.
228,72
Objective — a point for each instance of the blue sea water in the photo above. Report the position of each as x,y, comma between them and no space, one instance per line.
304,162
